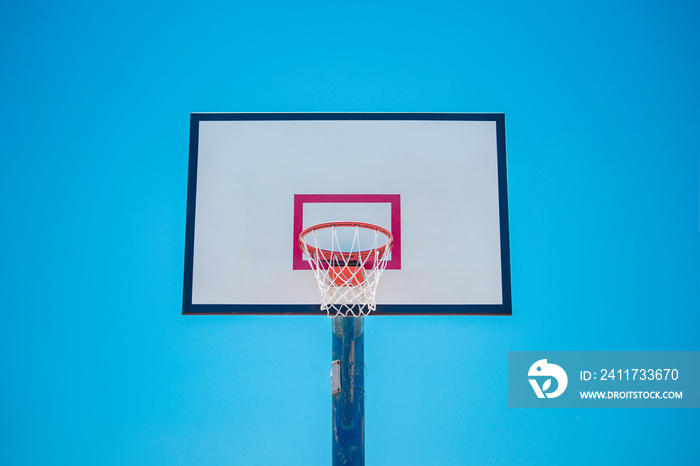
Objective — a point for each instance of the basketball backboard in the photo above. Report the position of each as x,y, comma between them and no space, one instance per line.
437,182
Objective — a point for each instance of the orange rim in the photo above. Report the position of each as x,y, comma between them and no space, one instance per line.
355,256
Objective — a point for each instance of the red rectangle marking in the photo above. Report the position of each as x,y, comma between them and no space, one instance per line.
298,262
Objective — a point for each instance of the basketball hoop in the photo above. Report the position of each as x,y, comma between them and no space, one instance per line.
347,259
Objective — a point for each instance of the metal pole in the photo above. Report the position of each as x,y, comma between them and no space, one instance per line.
349,403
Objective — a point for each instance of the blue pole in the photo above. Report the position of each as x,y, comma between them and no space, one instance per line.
349,403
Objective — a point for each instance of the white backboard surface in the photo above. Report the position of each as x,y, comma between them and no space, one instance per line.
436,181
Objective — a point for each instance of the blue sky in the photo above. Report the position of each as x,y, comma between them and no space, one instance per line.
100,367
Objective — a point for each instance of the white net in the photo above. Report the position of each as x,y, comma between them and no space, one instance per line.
347,259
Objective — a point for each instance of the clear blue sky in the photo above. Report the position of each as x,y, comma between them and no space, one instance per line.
99,366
